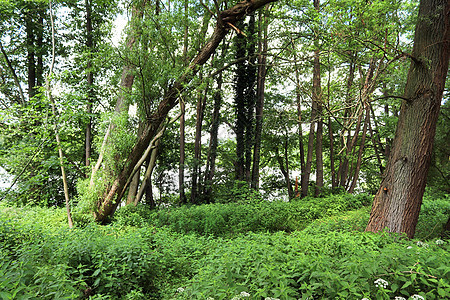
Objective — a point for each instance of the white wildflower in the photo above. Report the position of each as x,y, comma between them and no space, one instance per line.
270,298
381,283
236,298
365,299
209,298
439,242
244,294
409,247
399,298
180,290
417,297
422,244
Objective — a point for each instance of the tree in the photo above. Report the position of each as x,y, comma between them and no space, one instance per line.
396,205
112,195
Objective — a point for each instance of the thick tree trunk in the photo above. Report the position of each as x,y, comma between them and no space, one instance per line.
397,203
108,204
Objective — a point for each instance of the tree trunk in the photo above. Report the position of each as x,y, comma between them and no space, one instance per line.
198,147
90,83
134,184
126,84
54,112
397,203
260,88
343,163
250,98
239,100
108,204
284,168
31,61
317,97
360,152
182,154
213,142
299,116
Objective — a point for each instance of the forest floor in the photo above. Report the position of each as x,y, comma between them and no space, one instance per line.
313,248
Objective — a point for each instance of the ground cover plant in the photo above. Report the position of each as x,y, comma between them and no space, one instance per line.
144,254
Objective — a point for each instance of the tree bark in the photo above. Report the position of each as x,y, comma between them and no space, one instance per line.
260,88
397,203
299,116
360,151
283,163
250,98
108,204
126,84
14,75
90,82
198,147
213,142
182,154
240,85
181,191
31,60
317,97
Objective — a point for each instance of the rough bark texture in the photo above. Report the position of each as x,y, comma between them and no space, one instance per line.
397,203
108,204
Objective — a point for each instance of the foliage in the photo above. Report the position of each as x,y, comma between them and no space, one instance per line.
248,215
325,266
40,258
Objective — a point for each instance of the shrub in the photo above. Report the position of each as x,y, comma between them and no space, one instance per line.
327,266
255,216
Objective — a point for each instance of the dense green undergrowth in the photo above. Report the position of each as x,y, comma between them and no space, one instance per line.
234,218
151,255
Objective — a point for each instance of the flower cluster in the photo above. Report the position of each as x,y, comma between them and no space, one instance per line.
180,290
270,298
417,297
242,294
422,244
439,242
399,298
381,283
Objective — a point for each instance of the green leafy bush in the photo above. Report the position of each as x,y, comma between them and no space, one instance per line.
257,216
327,266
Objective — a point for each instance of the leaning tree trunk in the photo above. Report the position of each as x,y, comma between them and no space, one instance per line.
397,203
109,202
